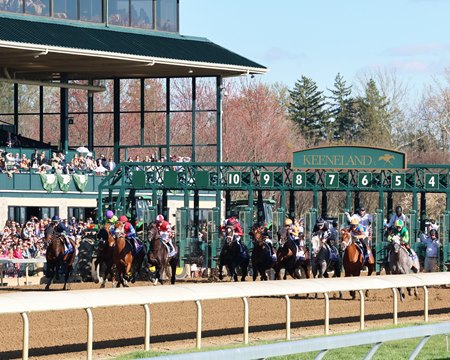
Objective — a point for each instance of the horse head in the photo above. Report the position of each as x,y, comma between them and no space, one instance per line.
229,236
316,243
346,239
118,229
258,234
396,245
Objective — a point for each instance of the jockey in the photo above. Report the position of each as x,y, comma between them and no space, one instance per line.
402,232
292,231
267,236
165,233
363,218
432,251
130,232
62,229
397,216
111,219
358,233
232,221
322,230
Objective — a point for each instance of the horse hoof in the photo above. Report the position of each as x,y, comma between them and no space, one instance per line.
155,282
96,281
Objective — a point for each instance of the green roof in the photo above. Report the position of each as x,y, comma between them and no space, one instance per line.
99,39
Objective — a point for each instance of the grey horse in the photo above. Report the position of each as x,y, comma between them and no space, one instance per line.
401,263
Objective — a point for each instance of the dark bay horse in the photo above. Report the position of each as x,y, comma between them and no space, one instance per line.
233,256
126,263
401,263
158,256
286,256
262,259
56,259
104,256
353,258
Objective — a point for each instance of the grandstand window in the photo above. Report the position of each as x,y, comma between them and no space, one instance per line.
91,10
167,15
119,12
142,14
38,7
12,6
65,9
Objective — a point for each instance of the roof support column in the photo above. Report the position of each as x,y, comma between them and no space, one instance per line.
116,120
194,112
16,108
41,113
219,88
142,104
90,115
167,119
64,116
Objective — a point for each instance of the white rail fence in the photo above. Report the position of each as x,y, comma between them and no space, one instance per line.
322,344
26,302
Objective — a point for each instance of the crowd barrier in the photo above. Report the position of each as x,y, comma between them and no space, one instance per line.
26,302
26,262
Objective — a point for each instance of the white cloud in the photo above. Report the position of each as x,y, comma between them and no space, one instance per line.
418,49
276,54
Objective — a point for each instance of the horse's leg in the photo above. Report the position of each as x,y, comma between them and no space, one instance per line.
66,276
255,270
220,270
50,273
244,268
402,294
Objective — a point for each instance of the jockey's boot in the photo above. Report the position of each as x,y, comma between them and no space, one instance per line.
132,244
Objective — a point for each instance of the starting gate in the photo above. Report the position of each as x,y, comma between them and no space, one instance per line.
444,234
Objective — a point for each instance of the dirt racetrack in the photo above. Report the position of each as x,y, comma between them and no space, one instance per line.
62,334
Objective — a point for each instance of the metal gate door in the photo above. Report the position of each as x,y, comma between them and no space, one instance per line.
444,235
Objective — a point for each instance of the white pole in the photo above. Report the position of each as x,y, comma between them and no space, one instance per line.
394,292
199,324
288,317
245,300
147,328
327,313
26,335
90,333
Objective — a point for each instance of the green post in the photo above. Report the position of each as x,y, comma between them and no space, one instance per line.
213,246
315,199
348,201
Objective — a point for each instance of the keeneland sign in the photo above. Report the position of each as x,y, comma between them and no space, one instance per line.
348,157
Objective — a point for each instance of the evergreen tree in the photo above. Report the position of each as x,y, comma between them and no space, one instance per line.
342,111
373,118
307,109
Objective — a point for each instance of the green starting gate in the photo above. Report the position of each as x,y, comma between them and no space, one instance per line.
444,235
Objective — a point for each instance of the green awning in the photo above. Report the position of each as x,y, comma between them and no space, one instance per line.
39,46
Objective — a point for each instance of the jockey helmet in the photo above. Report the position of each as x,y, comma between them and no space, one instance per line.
113,220
127,227
160,218
398,209
288,222
398,223
123,218
56,218
433,232
320,221
231,221
354,221
361,209
109,214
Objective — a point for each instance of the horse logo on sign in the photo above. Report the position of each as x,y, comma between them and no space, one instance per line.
387,158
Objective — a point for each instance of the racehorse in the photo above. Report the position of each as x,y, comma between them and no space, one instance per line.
262,259
104,256
322,259
286,257
233,255
56,258
124,259
353,258
401,263
158,255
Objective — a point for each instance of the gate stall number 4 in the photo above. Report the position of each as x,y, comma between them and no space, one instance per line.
431,181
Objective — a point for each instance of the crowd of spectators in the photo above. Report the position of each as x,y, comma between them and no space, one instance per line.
25,241
39,162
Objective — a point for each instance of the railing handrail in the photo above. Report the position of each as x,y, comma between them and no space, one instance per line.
315,344
82,299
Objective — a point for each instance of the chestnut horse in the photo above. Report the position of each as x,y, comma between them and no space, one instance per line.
353,258
56,259
104,256
158,256
124,260
262,259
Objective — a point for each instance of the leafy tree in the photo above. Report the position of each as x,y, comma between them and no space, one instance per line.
307,109
342,110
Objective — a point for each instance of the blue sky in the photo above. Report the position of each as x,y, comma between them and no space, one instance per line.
319,38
